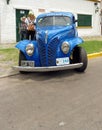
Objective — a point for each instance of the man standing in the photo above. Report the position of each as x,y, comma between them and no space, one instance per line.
23,28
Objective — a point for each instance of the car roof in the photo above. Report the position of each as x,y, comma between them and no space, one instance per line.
69,14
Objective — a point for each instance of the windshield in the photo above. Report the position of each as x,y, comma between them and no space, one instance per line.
54,21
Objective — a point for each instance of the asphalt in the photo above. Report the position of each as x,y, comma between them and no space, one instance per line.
6,71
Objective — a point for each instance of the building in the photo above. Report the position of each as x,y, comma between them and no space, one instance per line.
86,11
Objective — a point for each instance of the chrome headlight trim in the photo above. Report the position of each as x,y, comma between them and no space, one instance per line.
65,47
30,49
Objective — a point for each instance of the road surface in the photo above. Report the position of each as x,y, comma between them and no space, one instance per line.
64,100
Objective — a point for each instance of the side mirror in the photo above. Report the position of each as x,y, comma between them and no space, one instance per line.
75,20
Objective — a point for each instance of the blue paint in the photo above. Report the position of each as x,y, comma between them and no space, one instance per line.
47,46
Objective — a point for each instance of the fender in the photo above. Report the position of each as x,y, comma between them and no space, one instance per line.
75,41
22,44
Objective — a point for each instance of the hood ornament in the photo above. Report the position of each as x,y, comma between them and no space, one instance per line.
46,36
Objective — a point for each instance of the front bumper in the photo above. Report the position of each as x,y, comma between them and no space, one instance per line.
47,69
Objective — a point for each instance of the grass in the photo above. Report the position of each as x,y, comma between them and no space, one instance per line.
92,46
9,55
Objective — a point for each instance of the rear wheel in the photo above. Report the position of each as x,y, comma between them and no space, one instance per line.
80,56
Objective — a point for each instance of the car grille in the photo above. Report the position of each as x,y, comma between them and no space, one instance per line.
47,52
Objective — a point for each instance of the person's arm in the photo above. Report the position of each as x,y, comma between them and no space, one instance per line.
27,21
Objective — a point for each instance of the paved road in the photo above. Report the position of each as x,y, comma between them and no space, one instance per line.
64,100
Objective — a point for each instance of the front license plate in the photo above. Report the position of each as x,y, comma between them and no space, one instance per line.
27,63
62,61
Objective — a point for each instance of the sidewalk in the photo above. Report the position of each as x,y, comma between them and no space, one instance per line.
88,38
5,72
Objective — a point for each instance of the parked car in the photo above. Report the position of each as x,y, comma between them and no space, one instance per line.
56,46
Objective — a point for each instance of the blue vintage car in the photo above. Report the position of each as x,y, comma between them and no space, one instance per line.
56,45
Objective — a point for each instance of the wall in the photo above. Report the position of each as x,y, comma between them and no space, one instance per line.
7,23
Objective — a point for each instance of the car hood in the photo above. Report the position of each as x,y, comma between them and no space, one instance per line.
51,32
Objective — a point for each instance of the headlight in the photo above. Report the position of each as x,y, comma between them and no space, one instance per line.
30,49
65,47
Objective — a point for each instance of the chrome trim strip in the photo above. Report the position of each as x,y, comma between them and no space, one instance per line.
46,36
46,69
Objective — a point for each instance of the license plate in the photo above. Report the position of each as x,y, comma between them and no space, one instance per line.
27,63
62,61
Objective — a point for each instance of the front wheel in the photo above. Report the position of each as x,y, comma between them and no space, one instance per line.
21,57
80,56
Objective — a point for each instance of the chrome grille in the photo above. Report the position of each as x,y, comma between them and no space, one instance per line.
52,47
42,51
48,52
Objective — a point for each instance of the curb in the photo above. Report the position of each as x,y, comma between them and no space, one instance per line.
94,55
12,72
8,73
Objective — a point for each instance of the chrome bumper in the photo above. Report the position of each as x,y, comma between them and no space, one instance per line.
46,69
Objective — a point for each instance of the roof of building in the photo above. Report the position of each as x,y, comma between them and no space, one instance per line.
94,0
